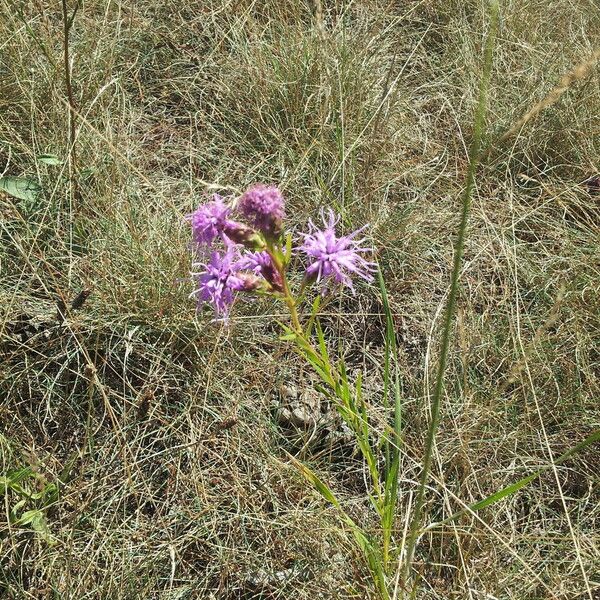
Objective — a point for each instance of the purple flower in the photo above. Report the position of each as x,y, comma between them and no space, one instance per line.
335,259
263,206
209,220
260,263
255,261
220,280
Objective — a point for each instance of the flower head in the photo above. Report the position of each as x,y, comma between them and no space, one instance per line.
209,220
260,263
335,259
220,280
263,206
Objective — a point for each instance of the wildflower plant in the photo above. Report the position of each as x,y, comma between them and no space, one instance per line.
242,248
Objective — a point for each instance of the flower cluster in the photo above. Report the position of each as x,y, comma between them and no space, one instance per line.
251,255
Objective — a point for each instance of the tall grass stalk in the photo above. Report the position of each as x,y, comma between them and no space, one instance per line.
474,156
72,153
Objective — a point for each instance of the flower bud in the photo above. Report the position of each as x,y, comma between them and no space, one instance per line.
260,263
239,233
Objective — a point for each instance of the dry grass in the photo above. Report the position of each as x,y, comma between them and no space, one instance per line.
176,480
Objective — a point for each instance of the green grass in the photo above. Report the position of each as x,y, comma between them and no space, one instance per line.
173,472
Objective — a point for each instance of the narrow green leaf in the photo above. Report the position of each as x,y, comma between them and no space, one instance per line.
391,359
322,345
27,517
313,315
321,372
13,516
288,337
358,389
12,481
363,541
316,482
515,487
49,159
67,471
391,450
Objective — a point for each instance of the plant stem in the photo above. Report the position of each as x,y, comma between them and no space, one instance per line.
474,155
288,298
291,304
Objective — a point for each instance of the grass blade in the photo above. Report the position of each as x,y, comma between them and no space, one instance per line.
363,541
391,450
511,489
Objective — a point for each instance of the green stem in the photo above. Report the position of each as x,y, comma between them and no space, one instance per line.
291,304
288,298
474,155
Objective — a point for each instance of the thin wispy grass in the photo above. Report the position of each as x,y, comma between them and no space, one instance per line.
180,484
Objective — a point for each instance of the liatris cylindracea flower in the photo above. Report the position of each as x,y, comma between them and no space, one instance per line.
261,263
335,258
209,220
263,206
262,266
221,279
